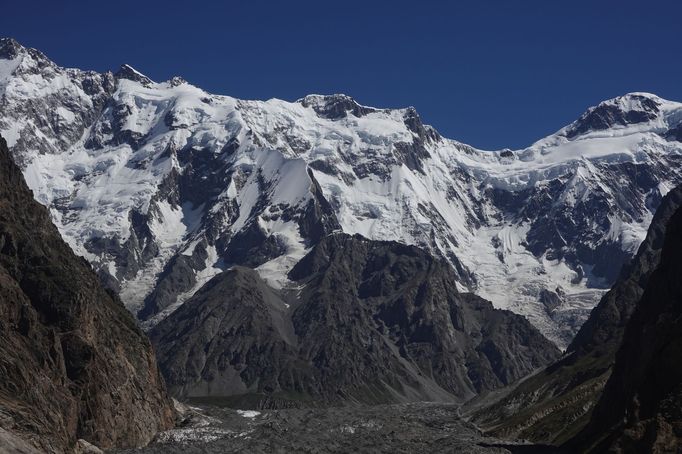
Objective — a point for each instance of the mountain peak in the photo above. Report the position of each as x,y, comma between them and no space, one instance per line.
129,73
29,60
634,100
628,109
314,98
9,48
176,80
334,107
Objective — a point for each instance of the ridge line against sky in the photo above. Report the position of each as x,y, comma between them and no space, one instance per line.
492,74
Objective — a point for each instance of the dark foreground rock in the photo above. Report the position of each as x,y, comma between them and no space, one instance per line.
370,322
73,363
553,405
404,428
641,407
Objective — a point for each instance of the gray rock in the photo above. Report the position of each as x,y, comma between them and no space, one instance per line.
374,322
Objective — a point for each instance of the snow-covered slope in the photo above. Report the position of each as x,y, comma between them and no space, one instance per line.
162,185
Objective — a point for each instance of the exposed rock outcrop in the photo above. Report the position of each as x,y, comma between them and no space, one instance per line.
72,360
373,322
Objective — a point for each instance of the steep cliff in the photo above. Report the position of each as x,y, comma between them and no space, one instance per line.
640,409
72,360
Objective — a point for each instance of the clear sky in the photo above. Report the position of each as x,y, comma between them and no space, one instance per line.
490,73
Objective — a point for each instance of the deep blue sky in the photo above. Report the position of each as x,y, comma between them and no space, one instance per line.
490,73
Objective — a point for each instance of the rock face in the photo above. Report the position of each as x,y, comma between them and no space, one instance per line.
555,404
74,364
640,409
603,331
161,186
370,322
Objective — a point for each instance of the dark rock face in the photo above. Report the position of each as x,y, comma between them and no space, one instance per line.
9,48
641,407
605,116
576,233
551,300
674,133
74,364
128,72
335,107
374,322
414,123
233,335
413,298
555,404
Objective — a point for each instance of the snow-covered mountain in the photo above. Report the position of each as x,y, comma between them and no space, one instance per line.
163,185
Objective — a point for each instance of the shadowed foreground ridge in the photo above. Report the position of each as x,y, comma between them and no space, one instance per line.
641,407
372,322
72,360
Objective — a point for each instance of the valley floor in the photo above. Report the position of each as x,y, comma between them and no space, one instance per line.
404,428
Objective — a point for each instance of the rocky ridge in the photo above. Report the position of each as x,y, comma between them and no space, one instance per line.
369,322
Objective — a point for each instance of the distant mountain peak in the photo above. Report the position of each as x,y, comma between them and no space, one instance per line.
318,99
128,72
335,106
9,48
176,80
628,109
640,101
